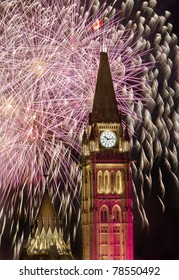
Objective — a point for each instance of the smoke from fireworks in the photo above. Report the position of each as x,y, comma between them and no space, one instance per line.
48,68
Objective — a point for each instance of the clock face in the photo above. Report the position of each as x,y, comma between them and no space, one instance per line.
108,139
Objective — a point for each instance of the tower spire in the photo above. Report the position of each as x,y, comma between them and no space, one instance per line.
105,105
107,218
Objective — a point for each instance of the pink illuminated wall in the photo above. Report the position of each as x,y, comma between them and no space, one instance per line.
112,231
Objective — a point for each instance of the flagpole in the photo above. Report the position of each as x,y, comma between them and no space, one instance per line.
103,47
96,26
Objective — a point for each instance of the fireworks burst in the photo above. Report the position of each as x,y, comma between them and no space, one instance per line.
48,68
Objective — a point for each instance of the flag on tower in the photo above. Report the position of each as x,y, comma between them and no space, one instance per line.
98,23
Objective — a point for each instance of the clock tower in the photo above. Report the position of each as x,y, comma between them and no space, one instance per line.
107,219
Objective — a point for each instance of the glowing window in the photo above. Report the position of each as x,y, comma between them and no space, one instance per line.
103,238
119,182
106,182
104,252
100,182
112,182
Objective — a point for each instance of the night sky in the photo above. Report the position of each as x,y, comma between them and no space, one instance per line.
161,239
171,6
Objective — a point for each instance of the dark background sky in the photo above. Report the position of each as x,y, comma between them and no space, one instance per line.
167,5
161,242
173,7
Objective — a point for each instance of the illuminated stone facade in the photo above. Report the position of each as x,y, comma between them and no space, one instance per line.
107,219
45,241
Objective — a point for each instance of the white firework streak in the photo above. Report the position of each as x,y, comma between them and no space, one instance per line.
155,144
48,68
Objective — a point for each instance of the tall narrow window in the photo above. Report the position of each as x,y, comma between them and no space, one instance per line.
104,214
112,182
106,182
100,182
119,182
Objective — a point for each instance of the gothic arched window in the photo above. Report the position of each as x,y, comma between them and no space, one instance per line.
106,181
116,213
112,182
119,182
104,213
100,182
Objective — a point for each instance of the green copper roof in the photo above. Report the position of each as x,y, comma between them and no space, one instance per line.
104,104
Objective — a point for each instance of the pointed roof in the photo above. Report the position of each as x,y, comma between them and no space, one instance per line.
104,105
46,216
46,240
